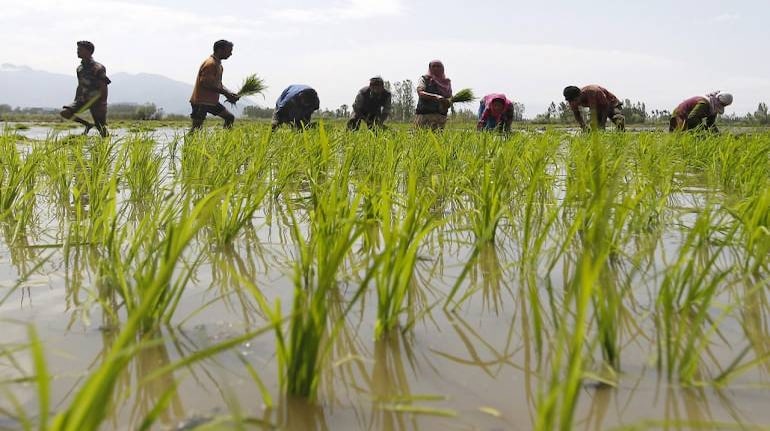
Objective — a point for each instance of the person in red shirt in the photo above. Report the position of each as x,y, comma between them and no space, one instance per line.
208,87
602,103
691,113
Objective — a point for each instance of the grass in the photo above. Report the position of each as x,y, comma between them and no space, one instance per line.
592,248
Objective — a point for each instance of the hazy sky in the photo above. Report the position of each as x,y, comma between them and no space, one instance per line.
657,51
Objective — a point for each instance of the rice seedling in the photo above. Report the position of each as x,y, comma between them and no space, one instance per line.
463,96
18,175
252,85
402,229
333,229
137,260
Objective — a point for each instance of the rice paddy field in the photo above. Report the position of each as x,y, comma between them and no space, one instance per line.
405,280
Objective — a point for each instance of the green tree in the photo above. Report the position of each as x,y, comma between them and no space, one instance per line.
403,102
761,114
257,112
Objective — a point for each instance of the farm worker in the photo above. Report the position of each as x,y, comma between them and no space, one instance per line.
434,92
495,112
208,87
91,93
295,106
691,113
602,103
372,105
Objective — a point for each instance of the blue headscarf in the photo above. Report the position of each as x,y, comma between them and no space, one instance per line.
290,92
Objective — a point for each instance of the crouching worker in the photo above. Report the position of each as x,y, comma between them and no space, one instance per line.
372,105
91,93
495,113
208,87
295,106
602,103
691,113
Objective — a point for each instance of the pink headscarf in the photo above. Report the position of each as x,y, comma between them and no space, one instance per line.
489,98
444,84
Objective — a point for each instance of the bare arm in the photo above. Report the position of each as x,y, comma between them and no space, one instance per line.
578,115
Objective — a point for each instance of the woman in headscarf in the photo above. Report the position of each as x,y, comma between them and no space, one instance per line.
691,113
495,112
434,92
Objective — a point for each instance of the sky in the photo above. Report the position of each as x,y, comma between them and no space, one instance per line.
656,51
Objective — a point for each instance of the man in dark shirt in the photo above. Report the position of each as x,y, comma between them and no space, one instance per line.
91,93
372,105
602,103
295,106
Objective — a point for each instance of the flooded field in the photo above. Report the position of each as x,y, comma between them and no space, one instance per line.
401,281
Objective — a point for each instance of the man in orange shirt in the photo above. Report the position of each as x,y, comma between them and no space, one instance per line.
208,87
603,105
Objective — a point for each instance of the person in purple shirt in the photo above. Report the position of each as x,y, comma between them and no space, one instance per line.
691,113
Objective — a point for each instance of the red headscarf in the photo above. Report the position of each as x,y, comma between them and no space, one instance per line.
444,84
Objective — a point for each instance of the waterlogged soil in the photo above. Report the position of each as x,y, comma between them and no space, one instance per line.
471,368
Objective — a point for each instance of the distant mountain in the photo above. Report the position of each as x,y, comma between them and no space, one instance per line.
24,87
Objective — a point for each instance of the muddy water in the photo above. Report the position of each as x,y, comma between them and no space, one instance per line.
473,369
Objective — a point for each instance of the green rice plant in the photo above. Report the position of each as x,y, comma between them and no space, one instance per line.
140,257
403,229
148,303
242,199
684,306
142,173
489,203
18,177
252,85
333,229
558,395
213,159
95,190
753,214
463,96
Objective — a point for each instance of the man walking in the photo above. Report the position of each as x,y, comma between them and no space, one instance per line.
208,87
91,93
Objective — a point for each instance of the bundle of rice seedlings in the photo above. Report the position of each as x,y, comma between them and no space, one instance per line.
463,96
252,85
